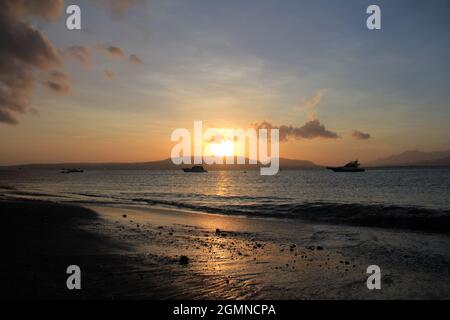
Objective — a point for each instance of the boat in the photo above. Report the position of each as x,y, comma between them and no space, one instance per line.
353,166
195,169
72,171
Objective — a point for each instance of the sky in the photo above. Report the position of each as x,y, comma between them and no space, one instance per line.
115,90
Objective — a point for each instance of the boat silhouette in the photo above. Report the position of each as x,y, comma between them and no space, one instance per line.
195,169
72,171
353,166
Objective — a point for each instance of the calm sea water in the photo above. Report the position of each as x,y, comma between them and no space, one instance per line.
238,192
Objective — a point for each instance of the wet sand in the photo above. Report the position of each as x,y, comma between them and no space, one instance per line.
134,253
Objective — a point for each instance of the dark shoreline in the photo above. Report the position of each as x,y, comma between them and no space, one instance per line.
39,240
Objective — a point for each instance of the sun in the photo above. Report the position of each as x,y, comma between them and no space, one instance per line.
222,149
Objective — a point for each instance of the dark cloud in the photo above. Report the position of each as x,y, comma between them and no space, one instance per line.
109,74
27,45
310,130
23,52
81,54
134,59
361,135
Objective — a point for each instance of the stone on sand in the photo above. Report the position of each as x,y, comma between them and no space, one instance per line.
184,260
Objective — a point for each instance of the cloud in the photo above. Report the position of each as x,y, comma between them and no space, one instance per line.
361,135
58,82
134,59
46,9
23,52
27,45
310,130
111,51
26,52
16,88
311,104
109,74
115,52
6,117
81,54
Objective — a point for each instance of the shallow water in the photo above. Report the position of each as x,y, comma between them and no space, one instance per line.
240,192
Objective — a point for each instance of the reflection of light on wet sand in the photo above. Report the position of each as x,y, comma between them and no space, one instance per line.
265,259
234,262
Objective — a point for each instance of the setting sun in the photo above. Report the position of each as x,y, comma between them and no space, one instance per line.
222,149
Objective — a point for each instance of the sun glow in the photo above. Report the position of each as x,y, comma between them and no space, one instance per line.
222,149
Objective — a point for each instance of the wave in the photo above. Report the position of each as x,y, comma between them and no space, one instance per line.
384,216
372,215
4,187
190,195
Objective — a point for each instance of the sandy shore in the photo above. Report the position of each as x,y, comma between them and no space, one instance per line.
134,253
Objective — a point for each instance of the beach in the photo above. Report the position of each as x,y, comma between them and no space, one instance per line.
132,252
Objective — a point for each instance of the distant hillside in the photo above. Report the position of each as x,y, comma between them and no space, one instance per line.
412,158
163,165
439,162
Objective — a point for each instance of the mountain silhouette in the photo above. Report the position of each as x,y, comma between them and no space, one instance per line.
412,158
165,164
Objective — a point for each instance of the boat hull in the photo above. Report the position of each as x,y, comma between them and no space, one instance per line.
344,169
193,170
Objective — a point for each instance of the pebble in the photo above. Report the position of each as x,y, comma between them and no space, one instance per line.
184,260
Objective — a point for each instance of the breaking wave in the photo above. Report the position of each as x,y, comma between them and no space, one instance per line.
373,215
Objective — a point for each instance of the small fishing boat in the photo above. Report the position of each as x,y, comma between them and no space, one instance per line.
72,171
195,169
353,166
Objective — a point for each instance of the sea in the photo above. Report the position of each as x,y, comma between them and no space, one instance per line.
404,197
